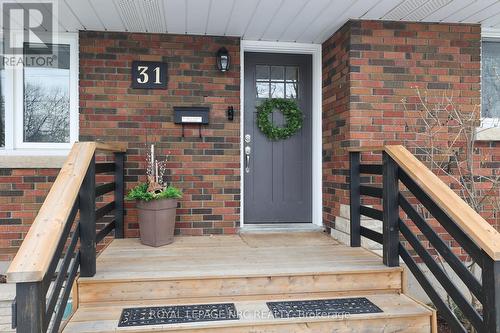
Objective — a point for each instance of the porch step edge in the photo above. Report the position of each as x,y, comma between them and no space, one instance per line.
381,269
399,313
135,290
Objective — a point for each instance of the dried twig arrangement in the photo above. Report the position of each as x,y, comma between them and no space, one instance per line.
155,171
446,142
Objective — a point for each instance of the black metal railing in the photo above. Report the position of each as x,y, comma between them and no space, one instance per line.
396,230
39,306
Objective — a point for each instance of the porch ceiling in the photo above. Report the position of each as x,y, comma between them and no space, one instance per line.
310,21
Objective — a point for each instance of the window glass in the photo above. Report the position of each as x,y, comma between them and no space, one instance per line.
490,86
291,90
292,82
262,72
277,73
277,90
262,89
46,115
2,104
292,74
277,81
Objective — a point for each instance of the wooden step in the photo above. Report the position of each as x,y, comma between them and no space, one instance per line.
93,291
246,265
400,314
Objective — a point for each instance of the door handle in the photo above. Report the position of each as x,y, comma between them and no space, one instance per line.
248,150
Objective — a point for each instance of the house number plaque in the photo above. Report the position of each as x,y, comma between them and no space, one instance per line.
149,75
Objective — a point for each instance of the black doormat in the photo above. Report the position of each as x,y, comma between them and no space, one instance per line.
322,308
176,314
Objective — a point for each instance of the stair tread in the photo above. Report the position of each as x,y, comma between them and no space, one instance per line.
233,256
261,271
237,265
105,317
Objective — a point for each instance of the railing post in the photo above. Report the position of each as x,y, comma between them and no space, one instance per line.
355,198
491,287
391,212
119,193
30,307
88,223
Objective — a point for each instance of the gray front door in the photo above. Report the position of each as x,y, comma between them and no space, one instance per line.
277,183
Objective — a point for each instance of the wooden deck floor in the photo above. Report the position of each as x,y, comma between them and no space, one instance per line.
234,255
248,270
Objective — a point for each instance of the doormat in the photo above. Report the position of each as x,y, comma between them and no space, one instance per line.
339,307
176,314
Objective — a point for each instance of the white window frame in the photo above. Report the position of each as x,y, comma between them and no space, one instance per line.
489,129
9,114
14,108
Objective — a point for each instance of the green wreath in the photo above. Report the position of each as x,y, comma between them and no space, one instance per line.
291,111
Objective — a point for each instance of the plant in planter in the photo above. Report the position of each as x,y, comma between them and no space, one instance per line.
156,204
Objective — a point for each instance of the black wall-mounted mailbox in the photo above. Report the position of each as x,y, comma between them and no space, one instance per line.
191,115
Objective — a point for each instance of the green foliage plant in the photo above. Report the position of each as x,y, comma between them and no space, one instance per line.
140,192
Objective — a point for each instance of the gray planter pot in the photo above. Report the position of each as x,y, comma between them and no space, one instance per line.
157,221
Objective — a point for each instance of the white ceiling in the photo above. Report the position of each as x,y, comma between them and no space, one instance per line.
310,21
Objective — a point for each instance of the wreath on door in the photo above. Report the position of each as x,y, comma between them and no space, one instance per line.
293,118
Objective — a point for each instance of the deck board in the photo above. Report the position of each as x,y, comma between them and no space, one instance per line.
247,269
233,255
104,318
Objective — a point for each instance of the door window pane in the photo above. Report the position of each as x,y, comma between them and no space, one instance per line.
292,74
47,97
277,73
277,81
262,89
277,90
262,72
291,90
490,106
292,82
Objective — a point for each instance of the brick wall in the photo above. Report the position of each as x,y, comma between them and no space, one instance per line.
206,169
22,192
387,62
489,165
336,95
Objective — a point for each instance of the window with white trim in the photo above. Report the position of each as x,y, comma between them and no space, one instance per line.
2,106
39,109
490,83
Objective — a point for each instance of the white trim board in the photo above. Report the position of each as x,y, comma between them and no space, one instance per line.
490,33
488,130
282,227
294,48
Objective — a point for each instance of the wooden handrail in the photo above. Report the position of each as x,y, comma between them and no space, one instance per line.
112,147
473,224
373,149
473,233
37,250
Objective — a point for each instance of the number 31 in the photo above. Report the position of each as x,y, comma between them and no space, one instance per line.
143,76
